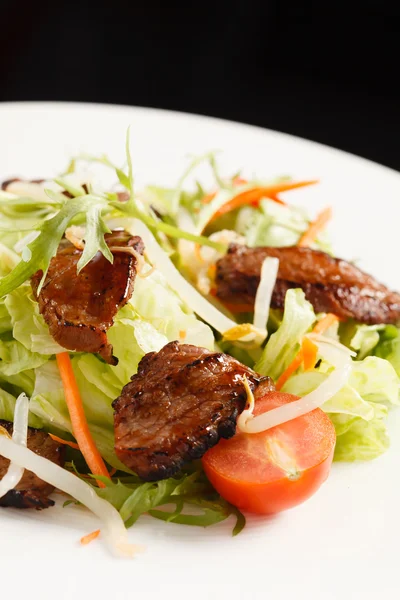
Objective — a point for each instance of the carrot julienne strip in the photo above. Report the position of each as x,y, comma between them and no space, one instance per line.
315,228
65,442
288,372
326,322
90,537
310,351
207,199
255,195
79,423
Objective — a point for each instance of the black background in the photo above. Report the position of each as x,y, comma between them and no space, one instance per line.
325,72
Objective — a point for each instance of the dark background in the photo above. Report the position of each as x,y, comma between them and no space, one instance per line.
325,72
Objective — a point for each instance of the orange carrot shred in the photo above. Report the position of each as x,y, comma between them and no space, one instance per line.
79,423
90,537
112,472
325,323
66,442
207,199
310,351
239,181
315,228
294,365
255,195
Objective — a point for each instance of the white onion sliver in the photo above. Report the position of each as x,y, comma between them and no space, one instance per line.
269,273
334,355
65,481
20,434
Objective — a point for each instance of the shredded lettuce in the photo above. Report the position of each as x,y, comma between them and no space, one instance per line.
273,224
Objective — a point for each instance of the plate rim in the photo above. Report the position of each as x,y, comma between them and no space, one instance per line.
20,105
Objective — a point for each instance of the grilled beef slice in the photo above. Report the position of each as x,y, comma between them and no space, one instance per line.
180,403
80,308
330,284
32,492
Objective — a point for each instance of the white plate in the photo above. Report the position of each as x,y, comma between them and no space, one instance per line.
341,544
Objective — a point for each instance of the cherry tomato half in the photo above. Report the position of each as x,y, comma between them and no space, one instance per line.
276,469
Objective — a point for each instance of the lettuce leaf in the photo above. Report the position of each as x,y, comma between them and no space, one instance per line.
363,440
15,358
360,338
282,346
160,306
29,327
389,346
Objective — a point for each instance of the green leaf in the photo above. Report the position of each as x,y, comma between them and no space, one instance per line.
45,246
196,161
94,237
190,492
240,521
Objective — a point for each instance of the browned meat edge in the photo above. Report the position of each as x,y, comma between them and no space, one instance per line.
330,284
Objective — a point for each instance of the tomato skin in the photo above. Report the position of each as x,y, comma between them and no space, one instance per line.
278,491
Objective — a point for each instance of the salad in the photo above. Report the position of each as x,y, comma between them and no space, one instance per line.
195,353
